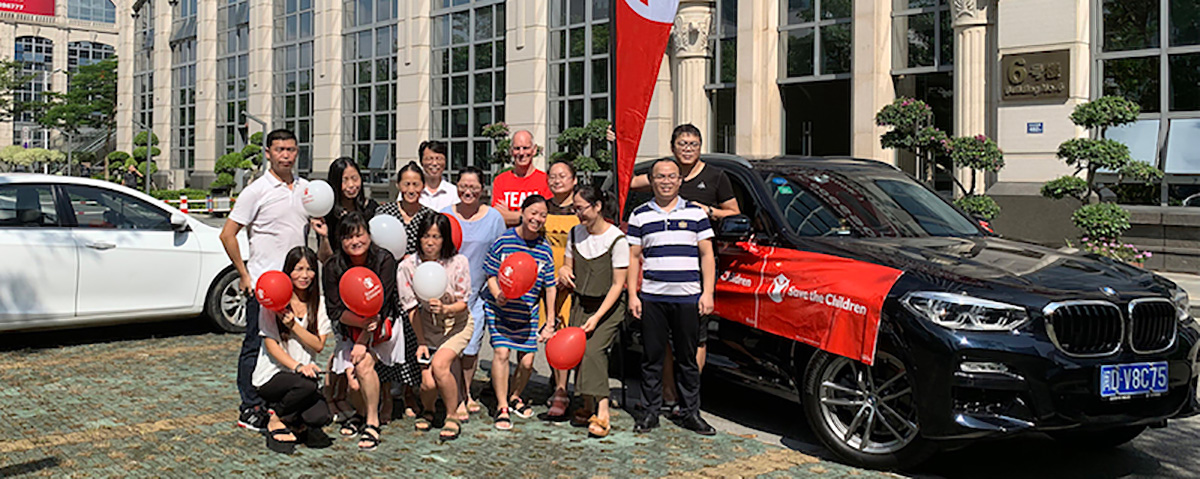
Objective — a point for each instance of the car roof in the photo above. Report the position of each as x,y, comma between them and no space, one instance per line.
788,163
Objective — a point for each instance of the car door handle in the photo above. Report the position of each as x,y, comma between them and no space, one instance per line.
101,245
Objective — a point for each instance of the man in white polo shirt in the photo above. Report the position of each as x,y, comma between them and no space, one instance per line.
438,193
671,253
272,210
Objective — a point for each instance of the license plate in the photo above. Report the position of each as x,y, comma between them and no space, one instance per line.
1119,380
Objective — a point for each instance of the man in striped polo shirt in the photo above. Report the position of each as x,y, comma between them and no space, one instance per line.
671,252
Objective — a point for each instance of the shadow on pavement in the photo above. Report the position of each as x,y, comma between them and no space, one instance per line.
102,334
30,467
1040,456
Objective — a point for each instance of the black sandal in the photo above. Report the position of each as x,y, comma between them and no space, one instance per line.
502,422
371,439
454,431
281,446
352,425
425,422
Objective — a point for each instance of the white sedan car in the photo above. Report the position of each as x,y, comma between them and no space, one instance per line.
81,252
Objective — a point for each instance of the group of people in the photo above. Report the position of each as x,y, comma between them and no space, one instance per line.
428,349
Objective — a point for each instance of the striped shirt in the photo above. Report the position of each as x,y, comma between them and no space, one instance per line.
670,249
517,320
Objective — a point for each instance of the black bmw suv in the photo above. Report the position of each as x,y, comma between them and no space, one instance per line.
902,326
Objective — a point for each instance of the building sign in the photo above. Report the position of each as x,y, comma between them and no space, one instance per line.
1036,76
1034,127
32,7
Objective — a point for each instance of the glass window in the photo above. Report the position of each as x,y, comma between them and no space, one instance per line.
1131,24
92,10
35,55
1183,147
804,33
26,206
922,36
1185,82
1185,22
468,72
722,78
1136,79
371,69
1140,136
233,48
100,208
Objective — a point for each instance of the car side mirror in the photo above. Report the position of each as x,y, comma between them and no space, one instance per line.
734,228
179,223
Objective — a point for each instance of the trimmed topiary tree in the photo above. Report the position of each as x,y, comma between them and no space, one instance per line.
912,129
585,147
1103,222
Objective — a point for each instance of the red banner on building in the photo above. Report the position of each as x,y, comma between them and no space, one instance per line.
642,29
32,7
828,302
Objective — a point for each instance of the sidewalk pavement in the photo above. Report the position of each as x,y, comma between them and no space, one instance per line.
164,407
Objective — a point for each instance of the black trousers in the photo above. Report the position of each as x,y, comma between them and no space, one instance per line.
296,400
678,323
248,357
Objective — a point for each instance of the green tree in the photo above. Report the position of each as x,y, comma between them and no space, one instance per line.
1088,155
12,78
585,147
90,100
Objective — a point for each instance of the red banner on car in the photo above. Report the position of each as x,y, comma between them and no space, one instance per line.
829,302
642,29
32,7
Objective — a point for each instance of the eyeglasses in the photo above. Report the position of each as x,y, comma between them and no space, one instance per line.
560,177
684,145
670,177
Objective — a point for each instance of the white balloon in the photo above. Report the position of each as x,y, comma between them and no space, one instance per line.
429,280
318,198
388,232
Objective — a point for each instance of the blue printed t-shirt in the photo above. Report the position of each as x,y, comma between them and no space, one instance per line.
525,308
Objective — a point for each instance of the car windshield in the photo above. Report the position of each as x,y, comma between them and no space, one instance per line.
865,204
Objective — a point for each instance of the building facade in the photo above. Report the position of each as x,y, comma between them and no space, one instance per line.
50,39
371,79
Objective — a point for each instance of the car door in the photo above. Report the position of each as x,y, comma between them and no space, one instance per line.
130,259
40,263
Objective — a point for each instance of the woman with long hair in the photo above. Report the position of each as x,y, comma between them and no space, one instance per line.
513,323
345,178
371,362
594,269
286,374
481,225
443,324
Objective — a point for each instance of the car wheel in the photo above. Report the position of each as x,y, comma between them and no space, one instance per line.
865,414
1098,440
226,306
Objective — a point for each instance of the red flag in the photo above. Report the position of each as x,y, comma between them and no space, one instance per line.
642,29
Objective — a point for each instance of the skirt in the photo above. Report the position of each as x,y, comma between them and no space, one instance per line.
395,358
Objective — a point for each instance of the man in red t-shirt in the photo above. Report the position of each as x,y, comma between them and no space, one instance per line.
512,187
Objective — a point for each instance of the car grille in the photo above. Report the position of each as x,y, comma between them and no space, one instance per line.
1085,328
1152,325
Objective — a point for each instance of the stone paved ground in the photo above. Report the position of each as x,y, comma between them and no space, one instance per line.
164,408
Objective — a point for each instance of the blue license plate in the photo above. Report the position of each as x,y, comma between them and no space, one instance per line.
1119,380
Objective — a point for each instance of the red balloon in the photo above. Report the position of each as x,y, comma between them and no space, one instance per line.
273,290
361,291
565,349
455,231
518,272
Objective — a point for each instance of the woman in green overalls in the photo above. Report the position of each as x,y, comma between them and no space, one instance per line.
594,267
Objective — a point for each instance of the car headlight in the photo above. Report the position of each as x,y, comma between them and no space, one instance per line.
958,311
1183,304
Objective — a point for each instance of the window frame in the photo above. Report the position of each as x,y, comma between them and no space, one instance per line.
816,24
442,114
1165,115
60,219
66,190
940,65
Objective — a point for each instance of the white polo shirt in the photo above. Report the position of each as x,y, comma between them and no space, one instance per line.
445,195
274,218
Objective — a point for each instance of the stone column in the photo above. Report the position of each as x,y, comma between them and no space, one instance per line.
970,66
759,105
690,55
872,78
126,49
413,92
206,94
164,96
327,81
526,44
260,99
972,78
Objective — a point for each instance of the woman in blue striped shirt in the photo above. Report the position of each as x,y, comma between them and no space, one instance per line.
513,323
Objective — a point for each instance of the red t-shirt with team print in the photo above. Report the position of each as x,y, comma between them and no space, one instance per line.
509,191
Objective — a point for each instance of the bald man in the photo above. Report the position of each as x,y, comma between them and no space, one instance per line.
512,187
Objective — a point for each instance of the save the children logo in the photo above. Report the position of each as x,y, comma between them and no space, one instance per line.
779,288
731,277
